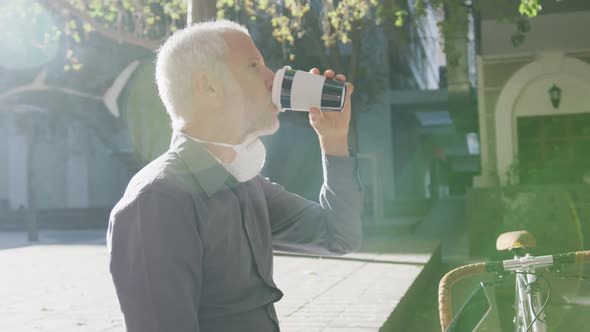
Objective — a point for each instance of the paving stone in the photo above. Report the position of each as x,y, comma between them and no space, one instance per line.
65,286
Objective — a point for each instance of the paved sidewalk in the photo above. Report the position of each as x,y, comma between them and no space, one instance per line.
63,284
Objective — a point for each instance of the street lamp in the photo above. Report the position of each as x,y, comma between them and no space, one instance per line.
555,95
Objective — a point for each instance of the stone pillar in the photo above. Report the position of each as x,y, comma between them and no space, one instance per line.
460,68
77,168
5,157
17,164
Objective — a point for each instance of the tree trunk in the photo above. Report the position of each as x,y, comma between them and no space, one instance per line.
354,61
352,74
336,60
201,11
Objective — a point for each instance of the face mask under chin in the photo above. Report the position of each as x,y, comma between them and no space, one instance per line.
249,160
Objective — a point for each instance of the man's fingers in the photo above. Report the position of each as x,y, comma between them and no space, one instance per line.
349,89
315,117
340,77
329,73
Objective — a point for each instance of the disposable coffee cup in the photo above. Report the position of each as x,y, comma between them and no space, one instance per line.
297,90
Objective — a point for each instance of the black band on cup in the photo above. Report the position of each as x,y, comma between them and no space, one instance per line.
333,93
286,88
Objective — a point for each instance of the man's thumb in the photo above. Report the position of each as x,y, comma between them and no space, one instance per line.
349,88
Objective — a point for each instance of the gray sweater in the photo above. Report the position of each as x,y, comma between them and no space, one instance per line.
191,249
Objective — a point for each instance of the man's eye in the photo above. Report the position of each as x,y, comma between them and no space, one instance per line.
254,65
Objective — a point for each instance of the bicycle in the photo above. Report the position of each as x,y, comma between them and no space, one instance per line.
529,300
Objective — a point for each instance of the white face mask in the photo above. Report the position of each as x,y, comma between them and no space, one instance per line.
249,160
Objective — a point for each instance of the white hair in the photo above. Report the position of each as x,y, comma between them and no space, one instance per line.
199,47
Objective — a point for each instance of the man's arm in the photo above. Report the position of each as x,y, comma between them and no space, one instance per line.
332,227
155,262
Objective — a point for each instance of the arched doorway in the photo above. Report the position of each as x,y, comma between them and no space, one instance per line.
526,118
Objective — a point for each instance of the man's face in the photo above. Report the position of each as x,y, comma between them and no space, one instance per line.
248,88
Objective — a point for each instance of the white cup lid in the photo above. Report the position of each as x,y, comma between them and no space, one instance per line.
276,87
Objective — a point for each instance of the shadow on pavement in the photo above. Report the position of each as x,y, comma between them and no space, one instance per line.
14,239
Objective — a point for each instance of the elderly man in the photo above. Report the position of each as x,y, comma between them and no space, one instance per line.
191,240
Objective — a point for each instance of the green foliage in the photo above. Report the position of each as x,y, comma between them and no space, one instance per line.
529,8
75,19
150,19
340,18
290,20
544,208
288,17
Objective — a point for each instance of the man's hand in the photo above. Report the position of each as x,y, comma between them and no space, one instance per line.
332,127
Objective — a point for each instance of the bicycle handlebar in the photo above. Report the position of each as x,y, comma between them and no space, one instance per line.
449,279
444,289
578,257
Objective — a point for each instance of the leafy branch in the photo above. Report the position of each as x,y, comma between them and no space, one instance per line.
145,23
340,20
101,22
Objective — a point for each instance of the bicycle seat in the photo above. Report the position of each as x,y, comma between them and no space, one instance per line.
516,239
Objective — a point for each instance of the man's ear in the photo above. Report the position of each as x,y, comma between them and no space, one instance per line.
206,83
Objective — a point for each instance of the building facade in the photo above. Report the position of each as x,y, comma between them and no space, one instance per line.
534,97
534,124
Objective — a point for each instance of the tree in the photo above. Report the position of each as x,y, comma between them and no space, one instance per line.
146,23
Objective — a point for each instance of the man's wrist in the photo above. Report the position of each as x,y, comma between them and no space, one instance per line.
335,146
